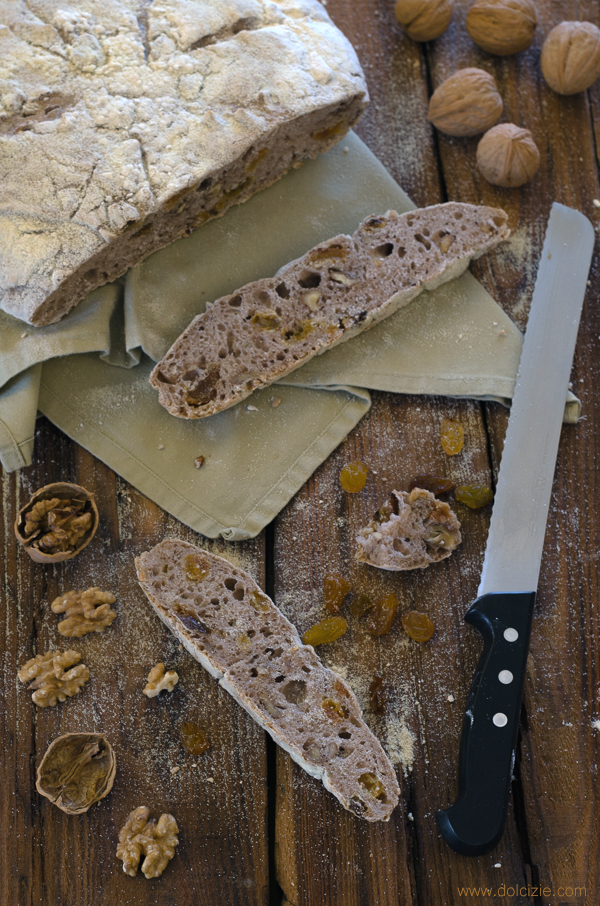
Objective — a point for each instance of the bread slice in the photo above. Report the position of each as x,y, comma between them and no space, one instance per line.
338,289
126,123
411,531
235,631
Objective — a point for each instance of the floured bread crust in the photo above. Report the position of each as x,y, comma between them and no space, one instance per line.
268,328
235,631
126,123
410,531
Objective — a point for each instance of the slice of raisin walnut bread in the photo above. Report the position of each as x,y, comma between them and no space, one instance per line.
410,531
268,328
236,632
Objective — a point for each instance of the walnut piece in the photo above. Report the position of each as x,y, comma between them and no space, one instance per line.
571,57
465,104
159,680
87,611
57,523
157,841
508,156
77,770
424,20
502,27
50,681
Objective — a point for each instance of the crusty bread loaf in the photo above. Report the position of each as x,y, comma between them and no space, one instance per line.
338,289
127,123
228,624
409,532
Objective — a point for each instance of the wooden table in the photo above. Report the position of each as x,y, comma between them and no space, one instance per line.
255,829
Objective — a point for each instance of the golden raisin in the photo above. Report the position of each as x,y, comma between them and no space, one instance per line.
335,589
260,602
353,477
381,616
333,710
418,626
474,495
328,630
377,695
372,785
433,483
193,739
360,605
452,436
195,568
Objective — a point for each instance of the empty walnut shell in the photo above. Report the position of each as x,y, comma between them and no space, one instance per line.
33,541
77,770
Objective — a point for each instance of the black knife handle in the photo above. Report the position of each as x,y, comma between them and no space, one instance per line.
473,825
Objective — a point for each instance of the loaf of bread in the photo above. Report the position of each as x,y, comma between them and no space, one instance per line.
235,631
411,531
125,124
338,289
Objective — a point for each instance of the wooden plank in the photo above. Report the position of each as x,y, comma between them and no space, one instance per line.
218,799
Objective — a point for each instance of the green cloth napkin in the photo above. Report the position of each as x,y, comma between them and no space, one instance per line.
89,373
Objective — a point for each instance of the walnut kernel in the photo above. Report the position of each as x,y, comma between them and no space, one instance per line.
502,27
57,523
424,20
156,841
86,611
571,57
50,681
508,156
159,680
77,770
465,104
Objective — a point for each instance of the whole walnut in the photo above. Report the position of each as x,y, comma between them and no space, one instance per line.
571,57
465,104
424,20
502,27
508,156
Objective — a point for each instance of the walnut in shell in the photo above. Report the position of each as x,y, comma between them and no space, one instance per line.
571,57
424,20
502,27
54,676
465,104
77,770
508,156
411,531
86,611
159,680
156,841
57,523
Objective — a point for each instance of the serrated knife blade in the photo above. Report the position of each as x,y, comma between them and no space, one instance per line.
503,610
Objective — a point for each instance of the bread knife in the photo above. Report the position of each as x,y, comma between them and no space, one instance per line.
503,610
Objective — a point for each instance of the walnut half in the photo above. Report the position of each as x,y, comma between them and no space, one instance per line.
86,611
57,523
156,841
159,680
50,681
77,770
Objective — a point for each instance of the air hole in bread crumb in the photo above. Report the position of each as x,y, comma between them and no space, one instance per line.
383,251
235,301
308,743
215,602
306,669
345,734
282,290
239,593
279,679
254,672
280,356
222,353
309,279
262,296
401,252
251,633
294,691
230,584
423,241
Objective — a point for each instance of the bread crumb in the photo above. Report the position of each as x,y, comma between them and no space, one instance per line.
501,333
252,408
450,698
341,671
199,461
210,779
400,745
596,203
174,770
596,724
23,335
161,446
497,865
275,401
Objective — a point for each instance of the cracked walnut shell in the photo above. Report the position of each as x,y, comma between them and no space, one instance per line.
57,523
571,57
86,611
50,681
159,680
424,20
508,156
77,770
465,104
502,27
156,841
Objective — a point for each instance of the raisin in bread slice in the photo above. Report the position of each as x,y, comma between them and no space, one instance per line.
338,289
411,531
236,632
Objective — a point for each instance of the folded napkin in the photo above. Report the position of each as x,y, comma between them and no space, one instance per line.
89,373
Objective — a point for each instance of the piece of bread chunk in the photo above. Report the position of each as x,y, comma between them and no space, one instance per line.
127,123
236,632
411,531
338,289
